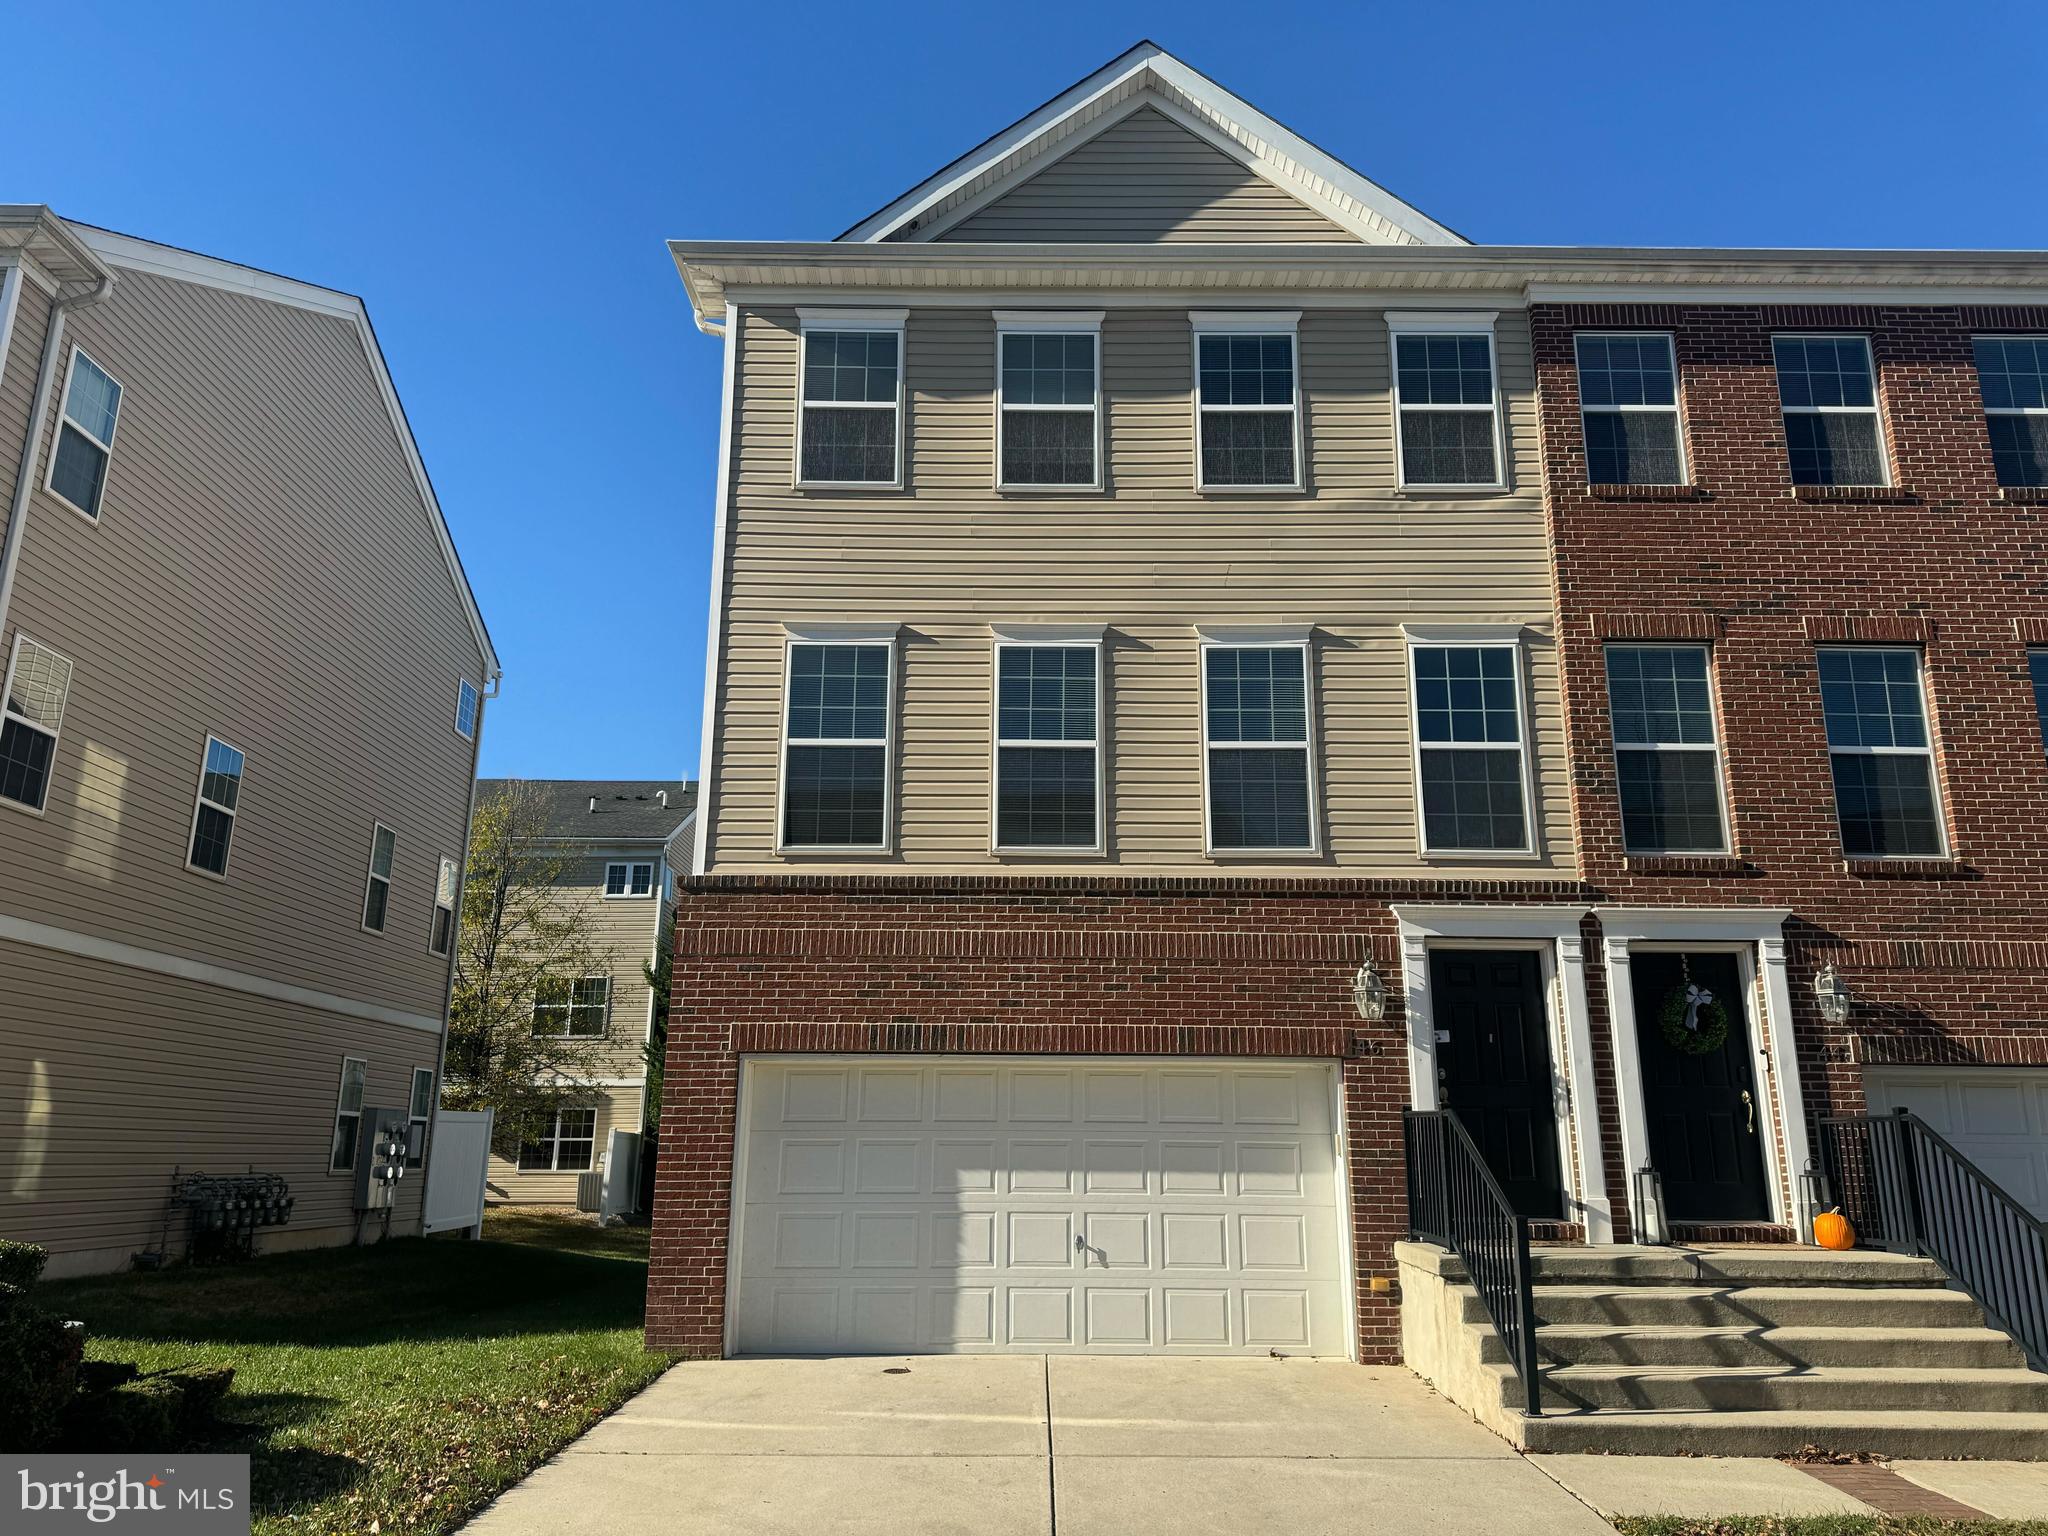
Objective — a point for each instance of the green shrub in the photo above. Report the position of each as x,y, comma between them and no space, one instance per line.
105,1375
200,1390
38,1370
21,1263
139,1415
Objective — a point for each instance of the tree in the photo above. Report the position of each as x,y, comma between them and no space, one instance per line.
522,952
659,971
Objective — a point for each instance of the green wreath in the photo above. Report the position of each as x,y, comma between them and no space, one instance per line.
1712,1032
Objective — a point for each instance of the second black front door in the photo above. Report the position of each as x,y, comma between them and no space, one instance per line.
1493,1067
1706,1124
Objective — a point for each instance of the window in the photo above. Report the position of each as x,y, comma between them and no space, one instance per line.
628,879
1828,393
1255,732
1245,400
38,684
1448,427
566,1009
1878,747
348,1114
443,934
85,438
1048,723
420,1116
835,773
2037,665
2012,374
1666,759
1047,385
850,408
465,709
1468,742
1628,403
220,798
565,1146
377,888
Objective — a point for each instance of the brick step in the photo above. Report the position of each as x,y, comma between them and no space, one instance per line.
1924,1435
1772,1389
1793,1306
1956,1348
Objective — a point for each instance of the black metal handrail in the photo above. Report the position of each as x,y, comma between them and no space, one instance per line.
1455,1201
1903,1187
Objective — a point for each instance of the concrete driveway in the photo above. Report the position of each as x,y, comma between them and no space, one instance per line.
1028,1445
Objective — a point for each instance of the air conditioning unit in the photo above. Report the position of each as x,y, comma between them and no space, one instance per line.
590,1191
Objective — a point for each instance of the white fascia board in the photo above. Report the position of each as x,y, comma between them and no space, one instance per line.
1680,924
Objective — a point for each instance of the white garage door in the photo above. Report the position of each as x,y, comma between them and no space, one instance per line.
1997,1117
1040,1204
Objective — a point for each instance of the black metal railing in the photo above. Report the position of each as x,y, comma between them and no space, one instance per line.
1455,1201
1903,1187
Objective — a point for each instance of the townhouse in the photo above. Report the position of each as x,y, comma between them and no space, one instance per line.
245,684
1174,604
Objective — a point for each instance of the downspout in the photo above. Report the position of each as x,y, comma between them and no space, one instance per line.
24,479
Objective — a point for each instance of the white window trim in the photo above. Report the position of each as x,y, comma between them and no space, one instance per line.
1263,638
2006,410
233,813
629,894
1502,637
604,1031
1020,638
1933,765
837,634
553,1142
1246,322
447,906
334,1125
465,689
1676,408
22,638
64,418
371,877
1874,410
424,1122
1068,322
1424,322
1618,746
894,320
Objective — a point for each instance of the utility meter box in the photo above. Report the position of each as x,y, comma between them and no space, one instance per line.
381,1146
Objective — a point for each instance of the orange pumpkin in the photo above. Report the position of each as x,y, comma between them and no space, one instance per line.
1831,1229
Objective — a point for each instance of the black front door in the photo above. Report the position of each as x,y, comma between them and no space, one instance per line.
1493,1067
1705,1114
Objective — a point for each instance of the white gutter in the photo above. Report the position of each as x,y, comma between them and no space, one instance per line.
24,479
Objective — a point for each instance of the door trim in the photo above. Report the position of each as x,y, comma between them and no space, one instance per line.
1553,933
1757,937
1346,1203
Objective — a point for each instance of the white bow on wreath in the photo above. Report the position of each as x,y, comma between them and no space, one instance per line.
1696,998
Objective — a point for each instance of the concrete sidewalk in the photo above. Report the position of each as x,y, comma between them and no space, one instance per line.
999,1445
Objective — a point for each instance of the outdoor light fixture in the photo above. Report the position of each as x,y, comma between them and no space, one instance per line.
1832,994
1369,993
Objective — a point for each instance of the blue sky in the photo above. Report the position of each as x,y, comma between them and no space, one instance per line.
497,181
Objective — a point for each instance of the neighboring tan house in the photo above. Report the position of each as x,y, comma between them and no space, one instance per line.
1156,728
244,689
626,841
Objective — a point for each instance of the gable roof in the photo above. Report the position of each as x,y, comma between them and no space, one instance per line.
628,810
1148,76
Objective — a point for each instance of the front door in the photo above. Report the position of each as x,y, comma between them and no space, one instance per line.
1706,1118
1493,1067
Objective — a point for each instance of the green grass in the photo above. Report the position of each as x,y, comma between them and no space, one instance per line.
1825,1525
397,1387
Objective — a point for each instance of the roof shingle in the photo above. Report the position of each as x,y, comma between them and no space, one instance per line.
628,809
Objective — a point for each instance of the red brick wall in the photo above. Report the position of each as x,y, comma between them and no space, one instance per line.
1948,960
1223,967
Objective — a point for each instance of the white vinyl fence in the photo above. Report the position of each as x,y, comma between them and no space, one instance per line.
457,1160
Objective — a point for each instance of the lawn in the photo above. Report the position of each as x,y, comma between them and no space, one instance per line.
397,1387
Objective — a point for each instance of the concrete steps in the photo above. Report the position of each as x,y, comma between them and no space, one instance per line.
1772,1389
1753,1306
1791,1348
1931,1436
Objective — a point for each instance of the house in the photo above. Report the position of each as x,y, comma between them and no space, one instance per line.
623,842
245,680
1157,727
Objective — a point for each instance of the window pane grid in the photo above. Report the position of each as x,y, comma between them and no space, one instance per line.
2037,668
1628,404
1445,409
1880,752
835,750
1667,761
1244,399
2012,377
1827,393
213,815
1256,711
1468,732
1046,761
852,381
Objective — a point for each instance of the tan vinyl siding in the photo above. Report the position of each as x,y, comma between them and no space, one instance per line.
262,570
1146,178
1151,558
113,1078
618,1109
18,384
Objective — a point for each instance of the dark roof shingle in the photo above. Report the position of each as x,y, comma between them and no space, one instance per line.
626,808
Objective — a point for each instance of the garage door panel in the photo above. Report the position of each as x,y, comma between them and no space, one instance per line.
1997,1117
1181,1207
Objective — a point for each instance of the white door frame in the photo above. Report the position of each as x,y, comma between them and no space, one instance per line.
1553,933
1757,936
